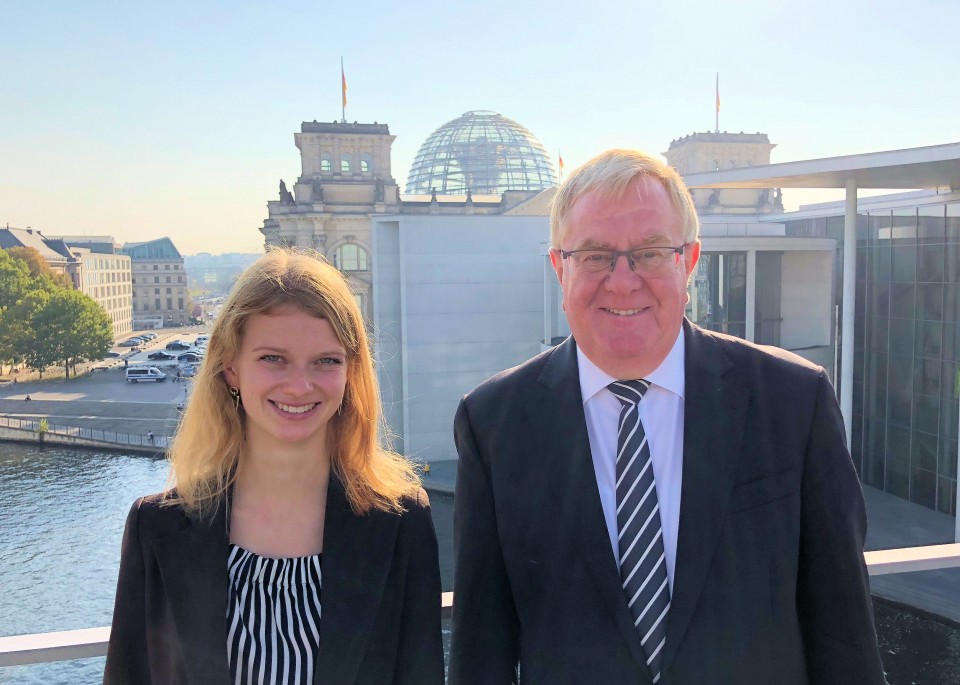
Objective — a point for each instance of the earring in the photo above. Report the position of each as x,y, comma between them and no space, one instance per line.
235,394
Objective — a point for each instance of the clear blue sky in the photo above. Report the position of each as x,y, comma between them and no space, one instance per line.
141,120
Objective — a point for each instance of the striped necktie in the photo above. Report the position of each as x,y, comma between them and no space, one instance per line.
643,566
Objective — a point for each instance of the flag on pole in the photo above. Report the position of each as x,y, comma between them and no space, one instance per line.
343,81
560,155
716,117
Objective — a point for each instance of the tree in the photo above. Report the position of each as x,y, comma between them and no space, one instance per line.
15,282
38,266
68,329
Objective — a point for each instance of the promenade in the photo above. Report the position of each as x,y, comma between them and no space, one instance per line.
103,400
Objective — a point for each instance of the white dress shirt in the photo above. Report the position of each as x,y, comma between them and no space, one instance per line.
661,411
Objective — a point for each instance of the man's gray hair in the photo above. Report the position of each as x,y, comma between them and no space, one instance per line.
610,173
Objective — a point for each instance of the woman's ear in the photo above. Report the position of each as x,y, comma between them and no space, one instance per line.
230,374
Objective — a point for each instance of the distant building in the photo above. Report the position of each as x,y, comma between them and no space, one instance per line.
346,180
216,274
159,283
54,252
94,268
105,275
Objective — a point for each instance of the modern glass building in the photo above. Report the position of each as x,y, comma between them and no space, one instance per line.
906,374
481,152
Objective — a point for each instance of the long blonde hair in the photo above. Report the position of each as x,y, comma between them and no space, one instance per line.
209,442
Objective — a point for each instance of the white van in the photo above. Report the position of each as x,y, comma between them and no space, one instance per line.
135,374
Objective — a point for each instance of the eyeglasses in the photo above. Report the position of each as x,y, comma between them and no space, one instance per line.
646,261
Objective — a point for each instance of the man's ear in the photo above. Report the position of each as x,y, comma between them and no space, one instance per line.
556,259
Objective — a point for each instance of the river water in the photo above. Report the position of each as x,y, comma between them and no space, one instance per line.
61,521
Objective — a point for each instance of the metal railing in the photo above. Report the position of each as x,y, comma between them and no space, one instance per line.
106,437
18,650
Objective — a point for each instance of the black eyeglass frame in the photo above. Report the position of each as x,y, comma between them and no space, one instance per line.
616,254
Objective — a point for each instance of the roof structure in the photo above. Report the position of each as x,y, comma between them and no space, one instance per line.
157,250
936,166
483,152
51,250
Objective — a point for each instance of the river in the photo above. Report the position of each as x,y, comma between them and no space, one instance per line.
61,520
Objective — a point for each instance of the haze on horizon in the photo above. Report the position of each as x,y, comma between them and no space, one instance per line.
140,122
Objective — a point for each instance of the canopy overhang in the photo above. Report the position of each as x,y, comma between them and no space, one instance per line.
937,166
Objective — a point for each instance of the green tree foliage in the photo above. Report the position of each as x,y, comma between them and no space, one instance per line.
69,328
43,323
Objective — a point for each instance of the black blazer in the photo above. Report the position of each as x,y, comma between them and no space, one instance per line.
381,598
770,584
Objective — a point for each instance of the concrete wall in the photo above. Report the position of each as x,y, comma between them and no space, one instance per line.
455,301
806,299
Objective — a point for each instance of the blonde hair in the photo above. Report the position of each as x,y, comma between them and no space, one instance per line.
209,442
610,173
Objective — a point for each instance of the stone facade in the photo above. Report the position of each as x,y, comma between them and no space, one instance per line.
345,178
159,283
714,151
346,181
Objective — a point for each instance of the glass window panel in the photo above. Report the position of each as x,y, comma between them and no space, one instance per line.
951,305
878,334
926,415
926,376
905,263
898,477
901,336
900,389
947,496
932,260
876,386
923,487
902,304
947,458
873,452
930,301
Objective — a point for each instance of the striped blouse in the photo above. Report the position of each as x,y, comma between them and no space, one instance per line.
273,614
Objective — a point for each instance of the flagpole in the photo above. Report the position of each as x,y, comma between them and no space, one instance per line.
343,93
717,118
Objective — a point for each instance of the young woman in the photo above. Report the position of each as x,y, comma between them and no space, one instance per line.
292,547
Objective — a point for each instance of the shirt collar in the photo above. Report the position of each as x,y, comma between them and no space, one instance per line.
670,375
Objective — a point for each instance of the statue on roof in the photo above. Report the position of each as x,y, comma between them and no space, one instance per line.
285,196
378,190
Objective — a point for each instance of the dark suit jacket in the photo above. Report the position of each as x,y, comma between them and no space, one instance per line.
770,584
380,598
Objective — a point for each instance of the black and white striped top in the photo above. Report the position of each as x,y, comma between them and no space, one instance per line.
273,614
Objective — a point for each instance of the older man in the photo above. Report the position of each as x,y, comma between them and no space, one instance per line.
649,502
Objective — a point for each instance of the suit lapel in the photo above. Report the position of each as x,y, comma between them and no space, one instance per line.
557,418
357,556
193,566
715,409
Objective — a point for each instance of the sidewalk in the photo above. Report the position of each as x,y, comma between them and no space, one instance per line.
892,522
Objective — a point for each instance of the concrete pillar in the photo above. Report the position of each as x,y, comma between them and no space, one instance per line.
751,314
849,303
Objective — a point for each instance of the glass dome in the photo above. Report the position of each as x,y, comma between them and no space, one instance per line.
483,152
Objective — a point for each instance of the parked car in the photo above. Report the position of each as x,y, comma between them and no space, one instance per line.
189,370
112,353
132,342
149,336
193,357
161,355
178,345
